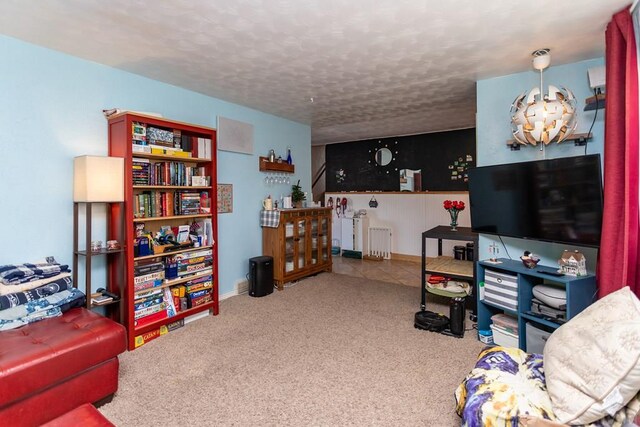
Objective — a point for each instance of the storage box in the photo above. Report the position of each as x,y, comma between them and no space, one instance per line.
506,322
500,289
485,336
504,338
536,339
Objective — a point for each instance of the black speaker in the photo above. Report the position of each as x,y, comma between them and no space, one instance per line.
260,276
456,316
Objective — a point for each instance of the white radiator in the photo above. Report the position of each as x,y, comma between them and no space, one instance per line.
380,242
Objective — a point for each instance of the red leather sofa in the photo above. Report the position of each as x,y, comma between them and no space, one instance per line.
52,367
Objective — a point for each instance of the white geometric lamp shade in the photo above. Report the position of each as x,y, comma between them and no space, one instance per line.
543,117
98,179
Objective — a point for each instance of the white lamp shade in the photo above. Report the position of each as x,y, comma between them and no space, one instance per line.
98,179
543,118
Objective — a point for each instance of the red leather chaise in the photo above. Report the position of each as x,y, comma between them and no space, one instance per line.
51,367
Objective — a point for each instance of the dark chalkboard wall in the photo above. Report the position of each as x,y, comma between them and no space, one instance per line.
443,158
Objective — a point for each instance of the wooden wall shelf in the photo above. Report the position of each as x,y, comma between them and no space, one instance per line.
267,166
577,138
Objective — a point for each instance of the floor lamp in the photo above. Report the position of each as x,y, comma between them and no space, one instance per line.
98,179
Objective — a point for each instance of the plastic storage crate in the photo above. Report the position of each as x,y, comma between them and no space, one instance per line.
504,338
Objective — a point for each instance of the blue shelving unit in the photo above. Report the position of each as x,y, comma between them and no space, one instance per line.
581,292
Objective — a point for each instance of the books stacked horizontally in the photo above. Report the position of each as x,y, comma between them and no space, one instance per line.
149,304
141,169
194,262
193,293
147,275
155,140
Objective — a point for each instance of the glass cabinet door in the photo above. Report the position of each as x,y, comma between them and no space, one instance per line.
315,240
323,238
300,240
289,246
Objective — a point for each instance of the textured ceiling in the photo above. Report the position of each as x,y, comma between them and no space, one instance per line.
373,67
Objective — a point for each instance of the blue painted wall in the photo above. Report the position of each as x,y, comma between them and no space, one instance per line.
51,111
494,99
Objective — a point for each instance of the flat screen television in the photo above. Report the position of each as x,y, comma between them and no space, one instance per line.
555,200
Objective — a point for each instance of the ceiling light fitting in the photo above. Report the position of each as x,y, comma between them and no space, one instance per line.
538,117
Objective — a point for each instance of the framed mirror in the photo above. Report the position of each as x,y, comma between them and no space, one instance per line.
383,156
410,180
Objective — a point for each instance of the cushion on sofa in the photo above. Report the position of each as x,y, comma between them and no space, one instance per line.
592,363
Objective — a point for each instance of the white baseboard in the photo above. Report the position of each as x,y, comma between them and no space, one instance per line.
241,287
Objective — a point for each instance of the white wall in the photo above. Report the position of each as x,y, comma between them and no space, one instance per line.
408,215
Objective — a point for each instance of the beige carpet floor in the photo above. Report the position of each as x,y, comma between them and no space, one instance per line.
332,350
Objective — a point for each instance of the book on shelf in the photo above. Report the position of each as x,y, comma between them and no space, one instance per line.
148,285
143,321
148,277
204,282
171,308
140,304
204,229
141,149
147,293
176,324
150,204
197,302
146,267
142,339
101,299
163,137
197,294
178,290
201,147
150,310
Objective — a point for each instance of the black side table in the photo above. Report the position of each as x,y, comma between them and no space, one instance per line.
456,269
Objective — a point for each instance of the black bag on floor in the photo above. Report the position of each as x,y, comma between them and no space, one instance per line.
430,321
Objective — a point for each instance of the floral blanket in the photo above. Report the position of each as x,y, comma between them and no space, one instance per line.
507,383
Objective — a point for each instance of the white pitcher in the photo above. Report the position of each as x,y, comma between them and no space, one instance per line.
267,204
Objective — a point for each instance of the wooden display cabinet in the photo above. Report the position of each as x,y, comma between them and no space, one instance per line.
300,245
164,190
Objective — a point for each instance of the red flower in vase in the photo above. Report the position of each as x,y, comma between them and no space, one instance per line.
457,205
453,207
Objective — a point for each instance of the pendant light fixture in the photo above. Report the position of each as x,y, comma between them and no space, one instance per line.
543,117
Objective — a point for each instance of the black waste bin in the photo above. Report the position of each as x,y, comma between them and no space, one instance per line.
260,276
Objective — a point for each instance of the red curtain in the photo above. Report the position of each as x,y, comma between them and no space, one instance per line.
619,250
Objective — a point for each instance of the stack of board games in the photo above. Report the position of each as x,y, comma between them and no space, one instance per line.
194,262
192,293
149,304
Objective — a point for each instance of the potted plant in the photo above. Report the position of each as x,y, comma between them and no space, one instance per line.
297,195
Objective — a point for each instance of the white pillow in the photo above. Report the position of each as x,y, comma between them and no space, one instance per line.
592,363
